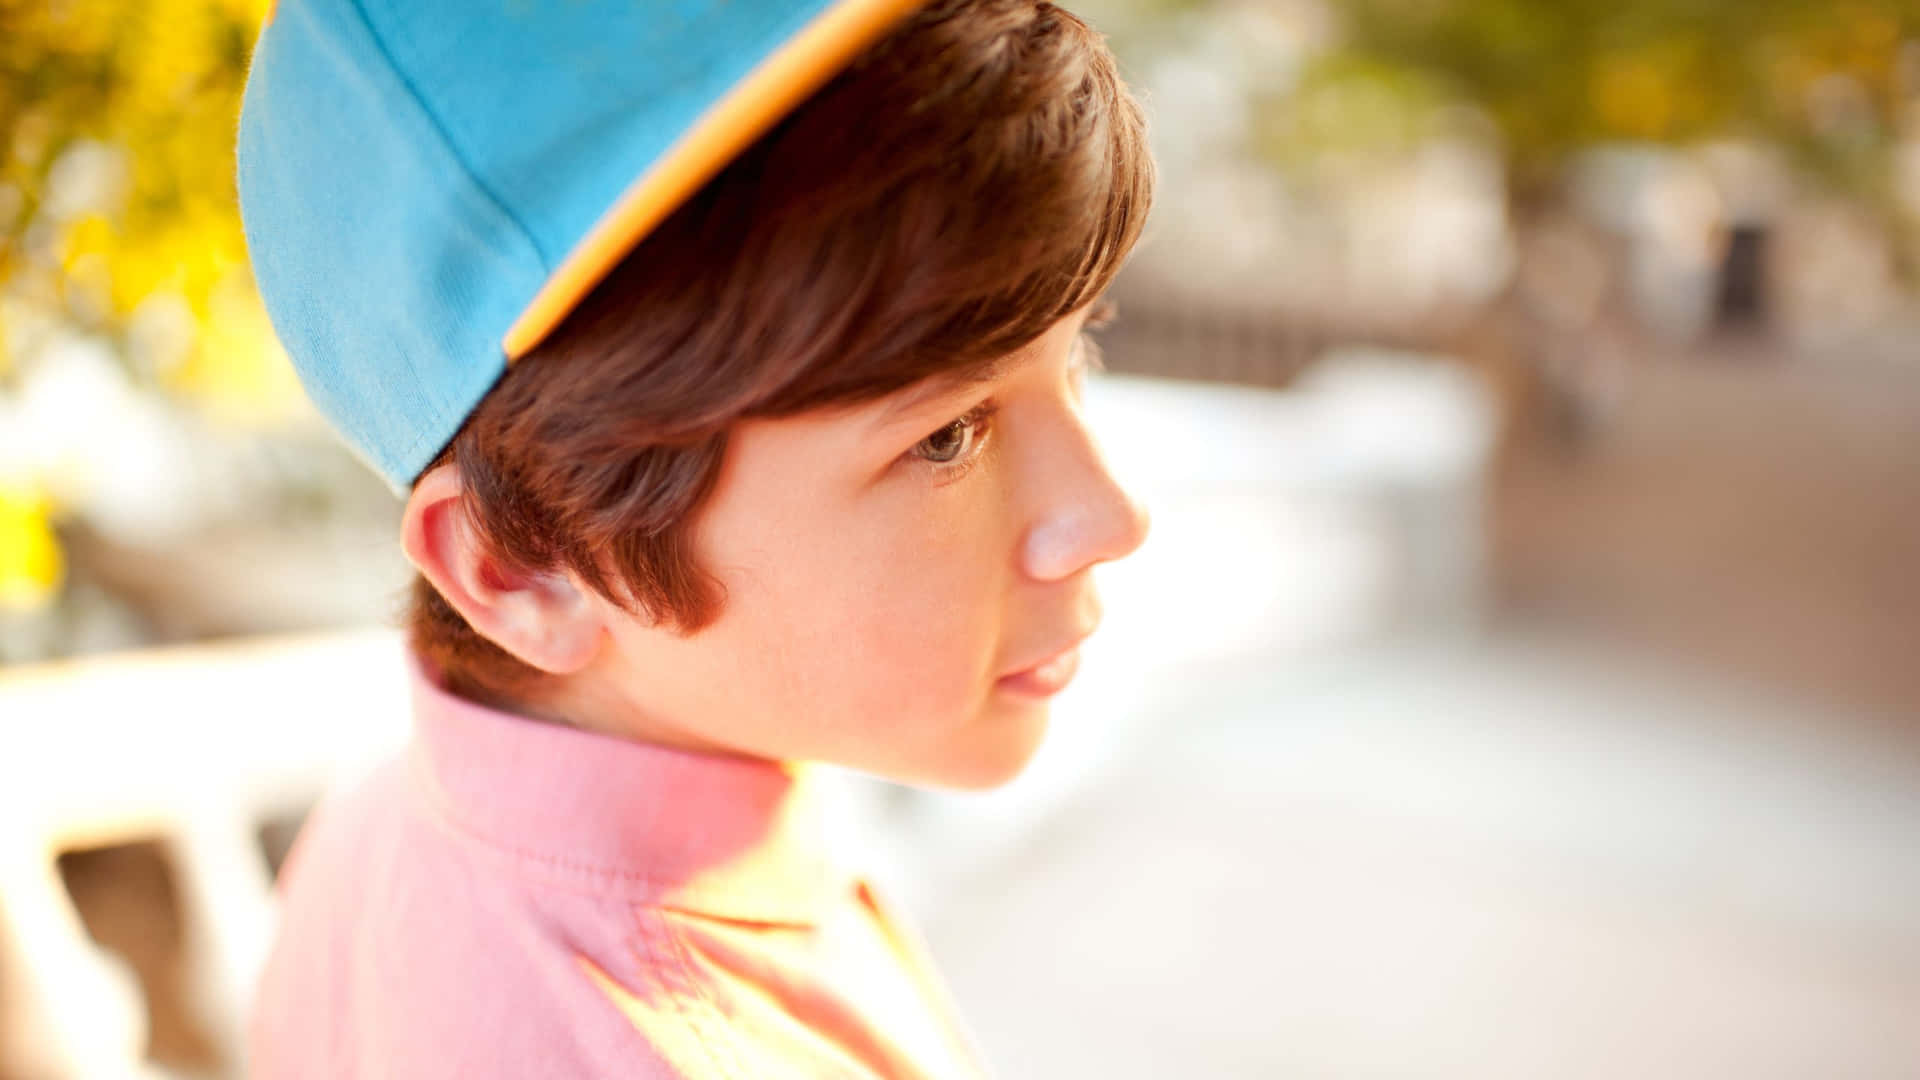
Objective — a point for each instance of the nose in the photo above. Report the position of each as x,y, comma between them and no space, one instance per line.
1085,515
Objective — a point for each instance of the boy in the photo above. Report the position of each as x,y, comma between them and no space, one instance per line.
728,355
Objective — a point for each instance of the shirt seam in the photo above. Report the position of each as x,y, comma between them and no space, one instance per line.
441,810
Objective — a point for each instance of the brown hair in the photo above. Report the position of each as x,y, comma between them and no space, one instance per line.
974,178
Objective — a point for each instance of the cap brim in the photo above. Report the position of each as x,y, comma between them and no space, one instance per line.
769,92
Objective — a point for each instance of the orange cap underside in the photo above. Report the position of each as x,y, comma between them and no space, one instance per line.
798,68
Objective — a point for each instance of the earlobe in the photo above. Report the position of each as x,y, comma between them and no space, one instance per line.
546,619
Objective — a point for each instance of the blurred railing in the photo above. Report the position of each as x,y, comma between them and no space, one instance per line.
1183,338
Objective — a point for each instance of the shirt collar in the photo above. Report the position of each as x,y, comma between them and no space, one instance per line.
735,837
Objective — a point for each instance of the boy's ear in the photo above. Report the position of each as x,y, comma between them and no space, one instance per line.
548,620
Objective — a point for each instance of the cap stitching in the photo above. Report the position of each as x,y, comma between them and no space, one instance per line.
431,435
446,137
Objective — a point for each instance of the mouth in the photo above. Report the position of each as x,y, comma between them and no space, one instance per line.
1046,678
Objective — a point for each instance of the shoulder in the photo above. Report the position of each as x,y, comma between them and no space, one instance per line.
520,1019
407,950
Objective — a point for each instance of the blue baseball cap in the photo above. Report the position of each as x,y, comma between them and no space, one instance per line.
428,187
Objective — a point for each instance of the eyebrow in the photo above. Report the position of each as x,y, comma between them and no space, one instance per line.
951,382
944,384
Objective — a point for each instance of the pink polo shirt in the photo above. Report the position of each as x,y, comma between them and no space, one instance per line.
512,898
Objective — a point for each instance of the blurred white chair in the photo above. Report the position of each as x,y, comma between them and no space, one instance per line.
196,748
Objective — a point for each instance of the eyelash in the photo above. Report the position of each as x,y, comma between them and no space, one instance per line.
978,420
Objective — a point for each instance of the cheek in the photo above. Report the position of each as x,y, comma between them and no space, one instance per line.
889,617
927,620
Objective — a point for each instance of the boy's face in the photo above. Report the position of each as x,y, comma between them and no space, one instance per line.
886,567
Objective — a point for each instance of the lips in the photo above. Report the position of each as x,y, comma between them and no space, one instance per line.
1048,676
1045,679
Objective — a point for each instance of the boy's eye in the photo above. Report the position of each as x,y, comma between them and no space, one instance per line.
955,444
948,443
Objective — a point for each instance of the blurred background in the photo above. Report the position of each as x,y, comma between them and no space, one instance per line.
1522,678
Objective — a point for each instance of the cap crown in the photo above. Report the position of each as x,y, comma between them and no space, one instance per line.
427,186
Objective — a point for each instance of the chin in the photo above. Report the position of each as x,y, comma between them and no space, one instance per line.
984,760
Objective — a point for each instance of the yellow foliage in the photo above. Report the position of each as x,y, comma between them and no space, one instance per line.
87,235
78,29
31,564
1633,98
161,82
237,370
